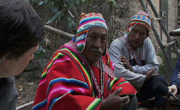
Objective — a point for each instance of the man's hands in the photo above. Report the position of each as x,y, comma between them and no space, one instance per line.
178,75
114,102
173,89
150,74
126,63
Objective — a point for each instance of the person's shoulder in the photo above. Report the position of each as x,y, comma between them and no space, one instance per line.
147,41
6,81
117,41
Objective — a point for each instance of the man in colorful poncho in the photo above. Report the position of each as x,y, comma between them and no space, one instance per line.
80,74
135,58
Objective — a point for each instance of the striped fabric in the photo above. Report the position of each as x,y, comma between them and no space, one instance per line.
88,21
66,83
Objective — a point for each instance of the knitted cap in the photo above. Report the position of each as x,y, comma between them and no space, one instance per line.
141,18
88,21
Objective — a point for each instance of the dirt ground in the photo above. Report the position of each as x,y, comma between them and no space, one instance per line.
27,90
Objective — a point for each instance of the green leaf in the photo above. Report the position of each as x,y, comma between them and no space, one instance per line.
40,53
49,5
65,6
60,3
70,5
69,25
112,2
66,1
73,24
69,19
108,1
41,2
54,9
76,2
72,1
83,1
54,17
59,18
53,0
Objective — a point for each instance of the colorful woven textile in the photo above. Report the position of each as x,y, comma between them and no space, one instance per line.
66,82
88,21
141,18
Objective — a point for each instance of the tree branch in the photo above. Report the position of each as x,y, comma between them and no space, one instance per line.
58,32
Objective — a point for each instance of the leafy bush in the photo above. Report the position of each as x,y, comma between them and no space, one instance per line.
164,69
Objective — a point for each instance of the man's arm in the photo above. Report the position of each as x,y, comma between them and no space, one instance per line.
115,51
150,59
8,94
174,79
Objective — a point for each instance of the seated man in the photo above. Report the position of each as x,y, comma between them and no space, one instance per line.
135,58
80,74
21,31
175,80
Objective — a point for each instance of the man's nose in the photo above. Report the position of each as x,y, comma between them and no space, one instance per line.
137,35
97,43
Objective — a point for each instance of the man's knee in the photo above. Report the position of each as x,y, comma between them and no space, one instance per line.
160,79
133,104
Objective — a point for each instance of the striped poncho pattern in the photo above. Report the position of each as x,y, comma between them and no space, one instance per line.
66,82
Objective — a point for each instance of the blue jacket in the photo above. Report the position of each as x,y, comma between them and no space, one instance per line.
174,79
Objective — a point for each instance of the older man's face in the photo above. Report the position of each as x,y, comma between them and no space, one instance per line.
96,42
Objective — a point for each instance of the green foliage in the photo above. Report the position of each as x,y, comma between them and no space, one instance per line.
40,54
112,2
61,9
164,69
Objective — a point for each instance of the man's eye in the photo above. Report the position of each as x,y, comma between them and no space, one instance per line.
135,31
103,38
92,37
142,33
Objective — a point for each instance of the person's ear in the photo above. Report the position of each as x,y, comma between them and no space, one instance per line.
147,35
4,60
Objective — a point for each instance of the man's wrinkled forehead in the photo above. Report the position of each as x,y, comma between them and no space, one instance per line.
95,31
